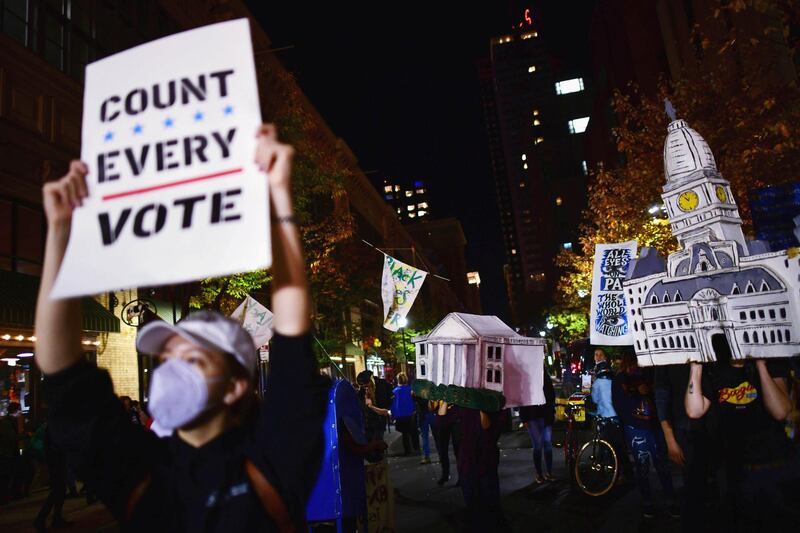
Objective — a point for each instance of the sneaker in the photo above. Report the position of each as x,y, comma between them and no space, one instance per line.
539,480
549,477
648,511
425,461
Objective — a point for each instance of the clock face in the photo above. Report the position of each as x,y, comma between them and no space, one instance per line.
722,194
687,201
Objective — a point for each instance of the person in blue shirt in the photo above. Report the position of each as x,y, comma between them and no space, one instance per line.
607,419
403,413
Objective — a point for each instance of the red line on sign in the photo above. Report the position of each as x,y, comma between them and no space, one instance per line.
170,184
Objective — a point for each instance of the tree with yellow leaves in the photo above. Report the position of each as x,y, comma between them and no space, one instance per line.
742,96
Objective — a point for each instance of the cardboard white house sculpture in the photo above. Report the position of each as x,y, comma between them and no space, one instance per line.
482,352
718,287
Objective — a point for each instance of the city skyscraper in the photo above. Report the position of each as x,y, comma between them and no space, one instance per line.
536,108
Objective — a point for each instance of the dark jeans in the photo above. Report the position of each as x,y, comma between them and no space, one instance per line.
58,490
647,446
407,425
445,430
541,439
482,499
764,497
425,422
697,468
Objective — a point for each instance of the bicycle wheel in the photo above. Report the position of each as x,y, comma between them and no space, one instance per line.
596,467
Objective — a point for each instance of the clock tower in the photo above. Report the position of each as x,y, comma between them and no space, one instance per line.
698,199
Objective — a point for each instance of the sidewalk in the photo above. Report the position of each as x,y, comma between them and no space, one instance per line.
18,516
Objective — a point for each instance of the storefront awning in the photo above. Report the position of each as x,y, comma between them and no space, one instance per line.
18,293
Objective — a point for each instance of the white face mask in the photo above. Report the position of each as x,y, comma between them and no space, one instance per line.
178,393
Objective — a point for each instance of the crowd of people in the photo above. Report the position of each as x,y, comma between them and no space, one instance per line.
722,424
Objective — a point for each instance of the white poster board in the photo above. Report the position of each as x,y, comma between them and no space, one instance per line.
609,324
400,285
255,319
169,139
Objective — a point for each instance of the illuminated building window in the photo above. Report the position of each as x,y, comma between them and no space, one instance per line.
529,35
396,188
584,168
535,112
513,251
411,215
559,201
536,122
410,207
575,85
422,205
538,140
524,157
567,246
418,183
422,213
388,188
399,210
390,197
473,278
522,185
409,194
532,68
525,166
578,125
420,191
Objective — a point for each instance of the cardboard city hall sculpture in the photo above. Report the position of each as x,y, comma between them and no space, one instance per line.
479,362
718,287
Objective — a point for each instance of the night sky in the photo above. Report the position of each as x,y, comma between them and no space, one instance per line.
400,87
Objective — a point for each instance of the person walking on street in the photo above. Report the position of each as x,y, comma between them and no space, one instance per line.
632,394
538,420
425,421
446,429
761,465
403,413
57,470
224,467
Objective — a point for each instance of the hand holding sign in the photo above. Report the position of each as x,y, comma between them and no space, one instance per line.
174,194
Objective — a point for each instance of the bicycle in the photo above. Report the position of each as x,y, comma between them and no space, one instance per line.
596,464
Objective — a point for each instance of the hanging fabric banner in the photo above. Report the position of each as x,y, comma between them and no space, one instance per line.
399,287
609,314
256,320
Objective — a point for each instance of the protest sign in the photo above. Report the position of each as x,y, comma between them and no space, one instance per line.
380,498
255,319
399,287
609,312
169,139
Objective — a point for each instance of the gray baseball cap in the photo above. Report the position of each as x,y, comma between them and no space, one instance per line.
208,329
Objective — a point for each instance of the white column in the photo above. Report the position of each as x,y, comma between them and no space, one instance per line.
439,362
452,364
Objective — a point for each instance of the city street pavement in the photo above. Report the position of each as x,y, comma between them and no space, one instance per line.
422,506
18,516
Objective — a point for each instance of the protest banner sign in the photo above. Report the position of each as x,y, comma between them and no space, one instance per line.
609,313
380,498
399,288
169,138
255,319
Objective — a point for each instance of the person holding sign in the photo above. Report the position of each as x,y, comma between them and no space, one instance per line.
223,468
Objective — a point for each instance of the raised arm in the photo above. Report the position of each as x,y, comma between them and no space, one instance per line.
696,404
290,299
58,322
776,398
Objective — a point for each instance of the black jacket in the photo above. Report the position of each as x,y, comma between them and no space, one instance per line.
194,489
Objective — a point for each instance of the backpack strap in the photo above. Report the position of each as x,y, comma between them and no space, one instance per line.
270,499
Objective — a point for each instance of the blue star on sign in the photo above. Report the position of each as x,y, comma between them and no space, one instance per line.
168,123
198,116
228,109
108,136
137,129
